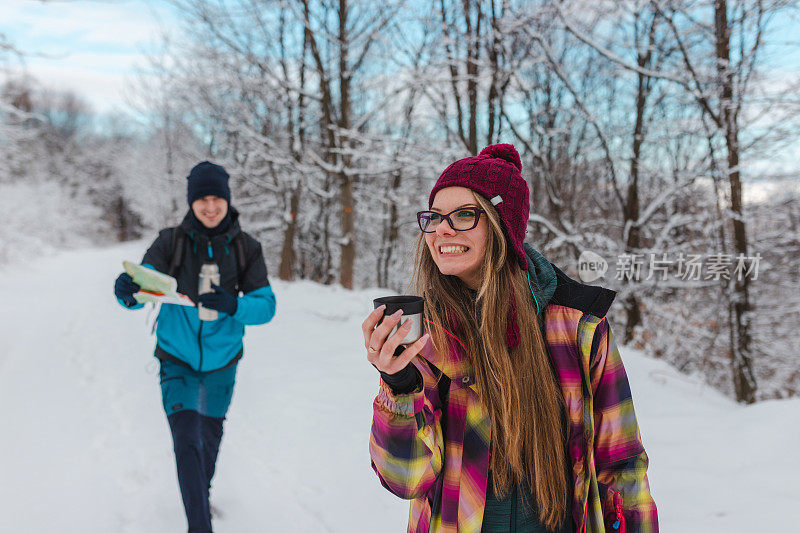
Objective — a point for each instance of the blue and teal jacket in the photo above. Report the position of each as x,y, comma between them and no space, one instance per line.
181,336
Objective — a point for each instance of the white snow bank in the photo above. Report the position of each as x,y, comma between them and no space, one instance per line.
53,220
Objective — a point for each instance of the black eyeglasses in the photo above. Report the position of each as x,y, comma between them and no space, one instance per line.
462,219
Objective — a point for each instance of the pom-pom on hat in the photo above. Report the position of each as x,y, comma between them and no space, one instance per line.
495,174
207,179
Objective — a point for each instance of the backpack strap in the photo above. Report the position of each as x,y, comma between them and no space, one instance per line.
178,240
241,260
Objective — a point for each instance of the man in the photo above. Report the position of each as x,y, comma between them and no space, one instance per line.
199,357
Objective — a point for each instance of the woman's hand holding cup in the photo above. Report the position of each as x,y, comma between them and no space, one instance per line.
381,346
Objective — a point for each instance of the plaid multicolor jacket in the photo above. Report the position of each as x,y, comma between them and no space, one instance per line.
445,474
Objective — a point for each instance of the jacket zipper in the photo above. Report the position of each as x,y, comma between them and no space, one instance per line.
200,345
200,330
619,525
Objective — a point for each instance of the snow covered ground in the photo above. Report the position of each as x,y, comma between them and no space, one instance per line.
86,447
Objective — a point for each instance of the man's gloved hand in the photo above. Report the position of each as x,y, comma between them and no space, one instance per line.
219,300
124,288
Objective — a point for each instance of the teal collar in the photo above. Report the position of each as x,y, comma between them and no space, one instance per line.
542,278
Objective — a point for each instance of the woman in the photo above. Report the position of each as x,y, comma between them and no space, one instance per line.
513,412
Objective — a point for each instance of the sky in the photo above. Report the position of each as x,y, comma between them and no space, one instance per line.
91,47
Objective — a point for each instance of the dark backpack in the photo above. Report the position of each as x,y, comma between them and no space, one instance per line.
178,241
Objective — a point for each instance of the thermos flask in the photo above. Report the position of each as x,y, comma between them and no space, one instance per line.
209,273
412,307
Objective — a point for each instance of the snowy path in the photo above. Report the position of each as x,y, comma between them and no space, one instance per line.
86,446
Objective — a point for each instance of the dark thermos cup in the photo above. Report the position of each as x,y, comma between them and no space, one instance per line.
412,307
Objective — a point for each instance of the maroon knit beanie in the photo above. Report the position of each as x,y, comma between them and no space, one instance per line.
495,174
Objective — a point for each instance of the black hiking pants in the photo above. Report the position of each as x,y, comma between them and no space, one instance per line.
196,404
196,440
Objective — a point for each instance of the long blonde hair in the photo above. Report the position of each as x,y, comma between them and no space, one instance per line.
517,386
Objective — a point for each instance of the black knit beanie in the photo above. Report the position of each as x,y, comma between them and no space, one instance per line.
206,179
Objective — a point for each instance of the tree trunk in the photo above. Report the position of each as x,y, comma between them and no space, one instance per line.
288,256
348,242
631,210
473,53
494,91
390,234
328,141
744,383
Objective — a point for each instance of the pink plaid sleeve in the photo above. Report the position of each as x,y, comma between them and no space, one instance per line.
620,458
406,439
